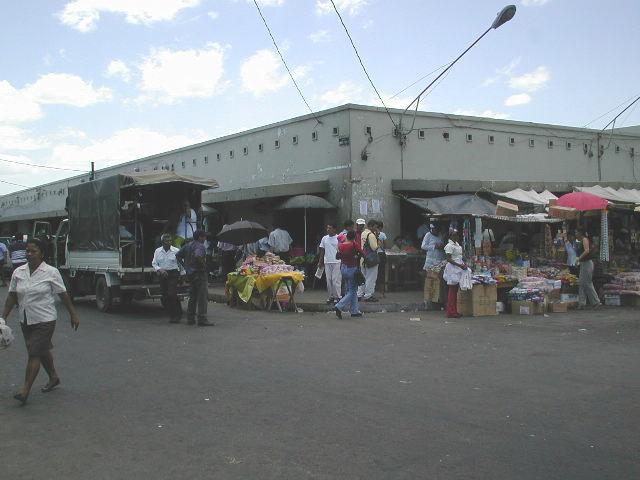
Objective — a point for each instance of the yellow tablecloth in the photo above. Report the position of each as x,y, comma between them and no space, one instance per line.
244,284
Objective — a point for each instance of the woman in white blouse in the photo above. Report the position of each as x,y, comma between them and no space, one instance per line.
33,289
452,272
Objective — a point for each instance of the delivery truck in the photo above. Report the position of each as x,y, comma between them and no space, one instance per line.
106,245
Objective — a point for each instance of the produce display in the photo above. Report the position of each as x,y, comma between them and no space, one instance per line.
267,265
626,283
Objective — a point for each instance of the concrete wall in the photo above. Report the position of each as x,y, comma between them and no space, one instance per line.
354,180
433,157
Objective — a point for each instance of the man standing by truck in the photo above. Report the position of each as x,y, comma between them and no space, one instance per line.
166,266
193,257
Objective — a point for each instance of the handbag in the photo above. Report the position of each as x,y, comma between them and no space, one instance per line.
371,258
359,277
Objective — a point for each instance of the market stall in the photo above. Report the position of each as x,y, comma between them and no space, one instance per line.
264,283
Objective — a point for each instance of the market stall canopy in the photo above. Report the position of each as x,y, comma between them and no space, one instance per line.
528,196
242,233
145,179
305,202
527,218
582,201
463,204
620,195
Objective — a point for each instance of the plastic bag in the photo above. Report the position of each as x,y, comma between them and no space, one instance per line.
6,335
466,280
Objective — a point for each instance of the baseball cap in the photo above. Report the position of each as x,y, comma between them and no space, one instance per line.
361,221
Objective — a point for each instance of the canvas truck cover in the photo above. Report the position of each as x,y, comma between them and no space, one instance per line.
94,214
94,207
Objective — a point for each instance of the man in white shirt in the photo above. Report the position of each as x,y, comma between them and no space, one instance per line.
187,224
328,250
280,242
169,271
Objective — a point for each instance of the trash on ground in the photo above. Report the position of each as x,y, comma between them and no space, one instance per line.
414,319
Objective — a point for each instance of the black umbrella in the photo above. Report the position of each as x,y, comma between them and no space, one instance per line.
242,232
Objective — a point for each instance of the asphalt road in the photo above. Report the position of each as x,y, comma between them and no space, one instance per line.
305,396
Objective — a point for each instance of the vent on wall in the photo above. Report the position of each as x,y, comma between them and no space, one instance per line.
314,135
469,137
491,139
532,142
512,141
446,136
421,134
335,131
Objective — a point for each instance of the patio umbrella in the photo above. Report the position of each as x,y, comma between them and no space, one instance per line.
583,201
242,232
305,202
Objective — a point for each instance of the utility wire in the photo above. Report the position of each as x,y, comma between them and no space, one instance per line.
419,80
362,64
608,112
264,20
42,166
16,184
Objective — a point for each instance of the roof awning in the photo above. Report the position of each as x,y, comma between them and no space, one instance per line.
463,204
460,186
528,196
33,216
158,178
266,191
530,218
619,195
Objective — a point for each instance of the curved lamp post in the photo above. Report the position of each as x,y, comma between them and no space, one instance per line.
506,14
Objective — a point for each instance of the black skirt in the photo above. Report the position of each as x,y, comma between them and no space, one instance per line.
37,337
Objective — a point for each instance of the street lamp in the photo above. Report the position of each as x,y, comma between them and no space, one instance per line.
506,14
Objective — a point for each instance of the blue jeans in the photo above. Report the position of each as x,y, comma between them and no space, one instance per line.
351,297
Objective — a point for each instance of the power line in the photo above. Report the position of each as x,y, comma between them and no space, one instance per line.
608,112
362,64
15,184
419,80
41,166
264,20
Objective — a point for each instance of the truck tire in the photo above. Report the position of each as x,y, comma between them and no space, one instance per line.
104,296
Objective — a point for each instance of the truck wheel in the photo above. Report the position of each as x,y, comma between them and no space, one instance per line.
104,297
68,284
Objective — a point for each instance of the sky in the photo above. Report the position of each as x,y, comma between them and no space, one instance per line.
114,80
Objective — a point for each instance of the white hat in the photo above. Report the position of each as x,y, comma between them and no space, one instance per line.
361,221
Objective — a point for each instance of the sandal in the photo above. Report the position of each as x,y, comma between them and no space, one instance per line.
21,398
50,386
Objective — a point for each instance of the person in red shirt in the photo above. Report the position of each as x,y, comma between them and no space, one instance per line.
348,226
349,253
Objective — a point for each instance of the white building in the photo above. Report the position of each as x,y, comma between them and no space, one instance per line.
355,157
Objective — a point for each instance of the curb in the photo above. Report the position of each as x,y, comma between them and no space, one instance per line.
379,307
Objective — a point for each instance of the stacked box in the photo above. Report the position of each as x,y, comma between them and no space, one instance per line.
526,307
480,301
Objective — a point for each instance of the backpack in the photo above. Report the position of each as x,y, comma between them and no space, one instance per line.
371,258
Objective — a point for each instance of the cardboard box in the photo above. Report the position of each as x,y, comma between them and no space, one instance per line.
527,308
506,209
567,213
480,301
630,300
612,300
553,295
558,307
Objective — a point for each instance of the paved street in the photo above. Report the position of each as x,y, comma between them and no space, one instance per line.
305,396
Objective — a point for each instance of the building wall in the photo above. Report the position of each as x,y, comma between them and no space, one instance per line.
339,158
435,158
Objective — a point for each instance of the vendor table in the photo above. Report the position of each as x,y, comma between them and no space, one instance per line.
265,287
401,270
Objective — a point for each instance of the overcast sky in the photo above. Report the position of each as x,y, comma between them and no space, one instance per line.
114,80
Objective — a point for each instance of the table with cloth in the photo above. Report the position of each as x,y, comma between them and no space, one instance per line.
262,290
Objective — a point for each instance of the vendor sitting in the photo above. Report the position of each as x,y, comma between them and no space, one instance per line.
400,243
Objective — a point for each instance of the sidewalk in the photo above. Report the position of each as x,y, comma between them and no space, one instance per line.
315,300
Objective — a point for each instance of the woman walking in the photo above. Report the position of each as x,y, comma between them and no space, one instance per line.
586,253
452,272
349,253
33,288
